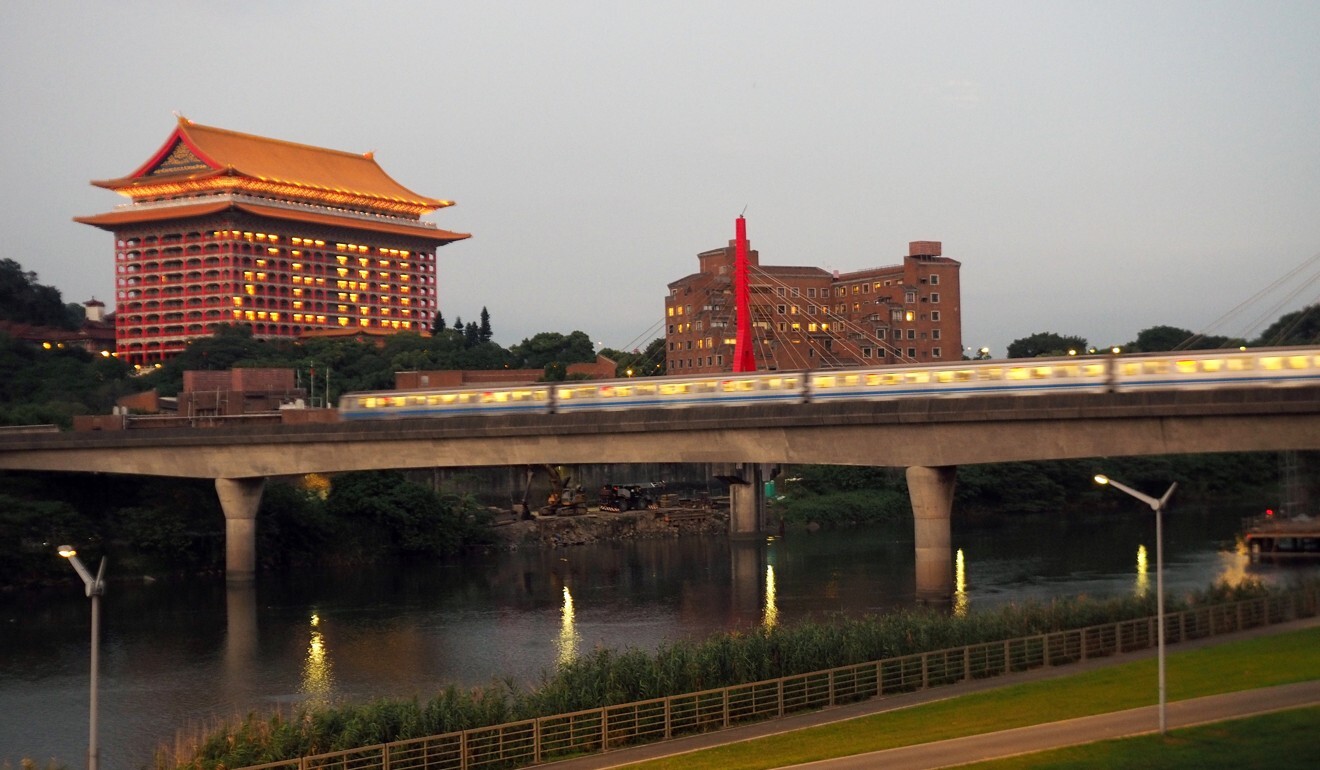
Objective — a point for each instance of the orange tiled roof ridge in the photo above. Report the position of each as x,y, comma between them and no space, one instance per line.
225,152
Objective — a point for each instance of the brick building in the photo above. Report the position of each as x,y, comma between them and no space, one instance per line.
225,227
810,318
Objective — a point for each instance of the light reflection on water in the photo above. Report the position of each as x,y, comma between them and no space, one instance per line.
770,617
1143,574
191,652
960,600
569,639
317,681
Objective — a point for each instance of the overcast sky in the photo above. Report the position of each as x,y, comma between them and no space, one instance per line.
1098,168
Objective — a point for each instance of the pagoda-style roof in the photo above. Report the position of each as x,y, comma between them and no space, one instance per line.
116,219
202,159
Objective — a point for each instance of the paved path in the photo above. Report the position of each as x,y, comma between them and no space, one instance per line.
1073,732
998,744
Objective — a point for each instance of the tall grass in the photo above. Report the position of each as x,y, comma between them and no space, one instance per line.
608,677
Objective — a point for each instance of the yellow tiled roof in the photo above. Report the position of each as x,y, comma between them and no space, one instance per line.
222,152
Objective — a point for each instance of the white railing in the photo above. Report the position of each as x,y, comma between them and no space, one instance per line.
533,741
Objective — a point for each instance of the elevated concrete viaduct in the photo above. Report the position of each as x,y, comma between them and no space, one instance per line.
930,437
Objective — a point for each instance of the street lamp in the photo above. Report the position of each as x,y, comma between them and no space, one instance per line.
1158,506
95,589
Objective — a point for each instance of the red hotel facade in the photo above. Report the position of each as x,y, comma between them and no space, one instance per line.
289,239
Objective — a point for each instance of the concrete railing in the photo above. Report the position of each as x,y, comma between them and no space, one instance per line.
534,741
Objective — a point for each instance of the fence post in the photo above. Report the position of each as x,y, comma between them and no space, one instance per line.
604,729
879,678
925,670
724,697
1008,659
967,663
669,717
462,751
831,681
1118,638
385,757
779,693
536,740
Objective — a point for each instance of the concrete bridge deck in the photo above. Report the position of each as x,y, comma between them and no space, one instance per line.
929,437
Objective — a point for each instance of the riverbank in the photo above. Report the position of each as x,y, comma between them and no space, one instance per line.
598,526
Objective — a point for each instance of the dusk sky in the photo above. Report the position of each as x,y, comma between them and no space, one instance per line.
1097,167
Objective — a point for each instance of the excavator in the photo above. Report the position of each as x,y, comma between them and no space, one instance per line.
563,500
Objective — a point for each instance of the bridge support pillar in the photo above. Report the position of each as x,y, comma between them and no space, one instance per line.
931,491
746,501
239,499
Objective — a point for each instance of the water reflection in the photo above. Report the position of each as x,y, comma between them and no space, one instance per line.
317,680
1143,573
960,600
569,639
770,618
1236,564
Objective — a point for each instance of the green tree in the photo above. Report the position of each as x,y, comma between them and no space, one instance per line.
649,362
487,334
24,300
1298,328
1164,338
545,348
1045,344
389,514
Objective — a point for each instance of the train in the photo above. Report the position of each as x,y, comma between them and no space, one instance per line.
1258,367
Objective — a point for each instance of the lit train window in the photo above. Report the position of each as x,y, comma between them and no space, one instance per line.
623,391
1240,364
823,382
917,378
1212,365
1093,370
673,388
1185,367
731,386
1298,362
992,373
646,390
1271,363
851,379
433,400
1019,373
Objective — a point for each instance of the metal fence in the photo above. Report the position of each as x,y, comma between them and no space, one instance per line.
533,741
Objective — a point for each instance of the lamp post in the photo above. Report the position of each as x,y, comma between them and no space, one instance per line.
1158,506
95,587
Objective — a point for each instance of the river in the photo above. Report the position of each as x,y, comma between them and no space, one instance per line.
182,654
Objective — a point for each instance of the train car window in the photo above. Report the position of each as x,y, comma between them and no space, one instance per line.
822,381
991,373
1240,364
1298,362
1019,373
1271,363
1093,370
646,390
623,391
852,379
673,388
917,378
1186,367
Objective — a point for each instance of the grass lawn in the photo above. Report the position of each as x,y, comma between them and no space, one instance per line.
1282,741
1261,662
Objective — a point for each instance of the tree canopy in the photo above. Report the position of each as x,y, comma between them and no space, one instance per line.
24,300
1046,344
